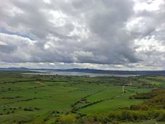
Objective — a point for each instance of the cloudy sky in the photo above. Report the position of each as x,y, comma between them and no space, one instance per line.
102,34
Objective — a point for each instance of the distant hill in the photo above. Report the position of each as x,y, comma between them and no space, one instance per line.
15,69
87,70
117,72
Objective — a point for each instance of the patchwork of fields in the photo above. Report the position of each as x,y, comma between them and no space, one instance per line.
39,99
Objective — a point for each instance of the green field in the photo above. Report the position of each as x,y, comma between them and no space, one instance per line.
39,99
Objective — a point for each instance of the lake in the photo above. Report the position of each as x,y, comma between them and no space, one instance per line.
38,72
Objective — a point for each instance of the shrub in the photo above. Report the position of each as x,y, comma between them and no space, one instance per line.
67,119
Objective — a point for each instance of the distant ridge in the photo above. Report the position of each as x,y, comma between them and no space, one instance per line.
87,70
116,72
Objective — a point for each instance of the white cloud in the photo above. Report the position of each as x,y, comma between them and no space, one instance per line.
147,5
82,33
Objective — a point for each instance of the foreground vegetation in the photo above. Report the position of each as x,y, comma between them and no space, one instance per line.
53,99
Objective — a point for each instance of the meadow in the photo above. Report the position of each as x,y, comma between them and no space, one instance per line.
54,99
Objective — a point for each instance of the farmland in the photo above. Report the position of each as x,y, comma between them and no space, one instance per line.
54,99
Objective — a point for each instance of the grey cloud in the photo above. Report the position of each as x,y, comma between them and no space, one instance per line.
82,31
6,49
109,25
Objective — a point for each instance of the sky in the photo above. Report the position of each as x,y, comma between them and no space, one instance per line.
99,34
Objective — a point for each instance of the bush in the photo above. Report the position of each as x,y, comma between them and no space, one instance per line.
67,119
161,117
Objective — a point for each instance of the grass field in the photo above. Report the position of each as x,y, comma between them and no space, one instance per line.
37,99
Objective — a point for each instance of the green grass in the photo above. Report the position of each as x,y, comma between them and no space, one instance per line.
144,122
60,93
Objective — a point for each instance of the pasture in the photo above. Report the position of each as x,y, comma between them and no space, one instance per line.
51,99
